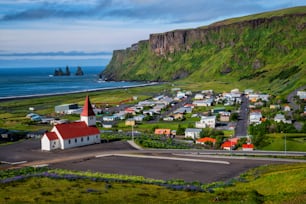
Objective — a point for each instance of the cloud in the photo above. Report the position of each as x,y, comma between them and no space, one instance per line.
170,11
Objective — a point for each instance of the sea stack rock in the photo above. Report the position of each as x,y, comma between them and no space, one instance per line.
79,71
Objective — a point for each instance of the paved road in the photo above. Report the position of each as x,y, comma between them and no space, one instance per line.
241,129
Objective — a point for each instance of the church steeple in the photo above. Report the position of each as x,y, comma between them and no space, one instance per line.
88,115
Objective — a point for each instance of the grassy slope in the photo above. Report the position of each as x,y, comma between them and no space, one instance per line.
277,45
266,184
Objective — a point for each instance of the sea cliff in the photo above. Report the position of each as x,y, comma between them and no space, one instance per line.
256,47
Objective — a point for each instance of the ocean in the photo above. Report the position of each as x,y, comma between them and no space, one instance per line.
21,82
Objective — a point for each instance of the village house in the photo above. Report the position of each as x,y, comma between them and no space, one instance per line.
281,118
255,117
75,134
130,122
205,102
206,140
199,97
192,133
225,116
287,108
206,122
247,147
165,132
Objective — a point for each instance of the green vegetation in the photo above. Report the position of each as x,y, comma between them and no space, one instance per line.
13,113
294,142
265,184
263,51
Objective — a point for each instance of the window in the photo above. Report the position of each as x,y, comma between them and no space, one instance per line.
69,141
75,140
82,139
87,138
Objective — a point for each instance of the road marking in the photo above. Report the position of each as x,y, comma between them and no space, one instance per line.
13,163
165,158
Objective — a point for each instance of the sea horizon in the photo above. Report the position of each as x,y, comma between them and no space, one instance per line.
24,82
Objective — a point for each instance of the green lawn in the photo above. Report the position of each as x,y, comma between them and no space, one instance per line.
294,142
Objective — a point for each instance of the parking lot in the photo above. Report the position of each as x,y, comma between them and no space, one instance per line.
83,159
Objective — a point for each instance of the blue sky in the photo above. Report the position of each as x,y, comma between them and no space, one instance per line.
79,32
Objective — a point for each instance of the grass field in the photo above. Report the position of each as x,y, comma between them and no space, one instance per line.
294,142
284,183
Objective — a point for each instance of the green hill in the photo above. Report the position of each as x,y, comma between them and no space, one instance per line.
265,51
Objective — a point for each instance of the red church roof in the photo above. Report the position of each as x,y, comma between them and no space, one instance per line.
51,136
87,109
76,129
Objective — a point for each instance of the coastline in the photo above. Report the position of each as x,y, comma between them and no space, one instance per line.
11,98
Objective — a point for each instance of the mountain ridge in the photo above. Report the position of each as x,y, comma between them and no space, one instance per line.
254,47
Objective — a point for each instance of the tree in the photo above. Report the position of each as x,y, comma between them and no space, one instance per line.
180,130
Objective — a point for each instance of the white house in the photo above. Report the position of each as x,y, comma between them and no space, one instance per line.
193,133
199,97
206,122
255,117
281,118
76,134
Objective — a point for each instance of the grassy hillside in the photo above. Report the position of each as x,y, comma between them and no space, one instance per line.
264,51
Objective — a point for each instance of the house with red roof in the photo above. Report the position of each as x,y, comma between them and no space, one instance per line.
206,140
76,134
247,147
162,132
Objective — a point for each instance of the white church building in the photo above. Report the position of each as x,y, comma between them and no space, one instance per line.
76,134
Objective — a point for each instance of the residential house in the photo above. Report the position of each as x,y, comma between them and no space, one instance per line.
180,94
301,95
130,110
193,133
248,91
228,145
287,108
130,122
139,118
247,147
183,110
206,102
205,140
166,132
275,106
199,97
178,116
76,134
206,122
255,117
281,118
166,100
168,118
109,118
225,116
66,108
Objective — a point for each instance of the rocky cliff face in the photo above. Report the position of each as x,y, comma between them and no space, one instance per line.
182,40
244,49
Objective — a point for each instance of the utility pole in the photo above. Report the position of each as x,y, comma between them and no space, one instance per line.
133,133
285,145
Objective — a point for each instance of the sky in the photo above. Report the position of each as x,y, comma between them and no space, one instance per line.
46,33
